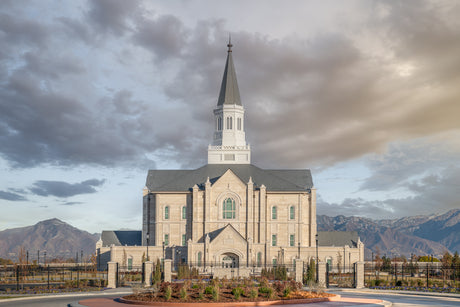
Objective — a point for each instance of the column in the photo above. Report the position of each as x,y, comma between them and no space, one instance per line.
299,270
359,271
167,270
112,274
148,269
322,274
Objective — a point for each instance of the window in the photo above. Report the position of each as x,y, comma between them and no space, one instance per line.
199,258
273,240
166,239
229,123
274,214
219,123
184,240
274,261
184,212
167,213
228,209
259,259
239,123
291,212
291,240
130,264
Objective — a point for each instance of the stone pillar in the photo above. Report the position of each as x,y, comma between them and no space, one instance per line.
359,271
148,269
299,270
322,274
112,274
167,270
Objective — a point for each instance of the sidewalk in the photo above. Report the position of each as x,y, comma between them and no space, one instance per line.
366,290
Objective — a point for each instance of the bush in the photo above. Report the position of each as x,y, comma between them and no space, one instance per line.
183,293
208,290
286,291
168,292
215,293
253,293
398,283
237,292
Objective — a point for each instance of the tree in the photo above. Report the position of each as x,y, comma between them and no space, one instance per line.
157,273
311,272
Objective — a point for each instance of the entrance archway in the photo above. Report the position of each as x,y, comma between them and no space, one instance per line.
230,260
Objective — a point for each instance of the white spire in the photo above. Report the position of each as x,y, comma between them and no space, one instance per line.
229,143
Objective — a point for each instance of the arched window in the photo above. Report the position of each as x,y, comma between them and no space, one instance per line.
230,123
259,259
291,212
199,259
228,209
219,123
274,213
167,213
184,212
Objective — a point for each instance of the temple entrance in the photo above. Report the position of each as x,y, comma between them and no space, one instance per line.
229,260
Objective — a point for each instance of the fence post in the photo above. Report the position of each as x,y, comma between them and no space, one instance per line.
427,275
147,273
299,270
48,277
17,278
112,274
359,274
327,275
167,270
321,273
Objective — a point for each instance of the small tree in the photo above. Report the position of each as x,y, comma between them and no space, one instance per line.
157,273
311,272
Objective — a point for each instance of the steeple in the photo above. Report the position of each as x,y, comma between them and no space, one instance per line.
229,143
229,93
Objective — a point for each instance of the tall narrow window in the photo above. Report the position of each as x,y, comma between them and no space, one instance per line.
274,261
274,213
130,263
239,123
273,240
259,259
229,123
228,209
199,258
166,239
291,240
219,123
291,212
184,240
184,212
167,213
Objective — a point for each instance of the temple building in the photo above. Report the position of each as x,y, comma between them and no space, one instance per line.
229,213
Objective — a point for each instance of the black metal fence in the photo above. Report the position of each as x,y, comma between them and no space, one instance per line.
50,278
413,275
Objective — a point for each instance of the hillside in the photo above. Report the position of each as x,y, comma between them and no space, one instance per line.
54,236
433,234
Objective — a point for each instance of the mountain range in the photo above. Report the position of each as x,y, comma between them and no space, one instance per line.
420,235
57,238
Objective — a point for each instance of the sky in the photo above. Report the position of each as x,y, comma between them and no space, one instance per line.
93,94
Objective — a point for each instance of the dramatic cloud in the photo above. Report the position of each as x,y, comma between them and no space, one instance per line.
64,189
11,196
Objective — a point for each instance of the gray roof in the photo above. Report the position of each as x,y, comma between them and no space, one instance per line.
229,92
338,238
184,180
121,237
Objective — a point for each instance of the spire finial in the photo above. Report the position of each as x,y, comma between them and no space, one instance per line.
229,43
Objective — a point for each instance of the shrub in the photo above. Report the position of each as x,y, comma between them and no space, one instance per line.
237,292
215,293
183,293
398,283
168,292
286,291
208,290
253,293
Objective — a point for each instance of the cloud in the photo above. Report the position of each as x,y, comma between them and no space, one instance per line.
64,189
11,196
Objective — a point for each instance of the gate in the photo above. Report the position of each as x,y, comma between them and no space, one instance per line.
129,275
340,276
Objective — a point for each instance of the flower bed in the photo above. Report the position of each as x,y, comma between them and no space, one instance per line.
224,291
419,289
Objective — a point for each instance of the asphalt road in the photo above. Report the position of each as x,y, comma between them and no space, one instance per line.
60,300
404,300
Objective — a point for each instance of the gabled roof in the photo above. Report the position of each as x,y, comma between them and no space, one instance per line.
184,180
229,92
338,238
121,237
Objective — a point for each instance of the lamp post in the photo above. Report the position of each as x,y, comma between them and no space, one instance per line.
317,260
38,257
45,257
163,250
298,250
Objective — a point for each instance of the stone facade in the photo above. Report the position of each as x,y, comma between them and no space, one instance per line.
228,215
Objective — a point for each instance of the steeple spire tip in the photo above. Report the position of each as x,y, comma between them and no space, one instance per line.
229,43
